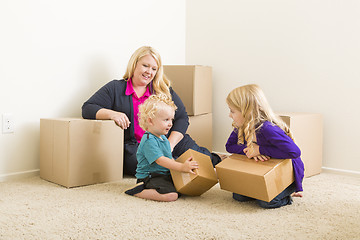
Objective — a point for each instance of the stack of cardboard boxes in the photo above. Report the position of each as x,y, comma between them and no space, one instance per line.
193,84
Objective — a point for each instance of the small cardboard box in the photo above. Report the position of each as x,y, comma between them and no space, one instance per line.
259,180
200,129
307,129
193,84
77,152
195,184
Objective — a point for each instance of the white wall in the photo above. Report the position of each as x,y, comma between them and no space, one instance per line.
304,54
55,54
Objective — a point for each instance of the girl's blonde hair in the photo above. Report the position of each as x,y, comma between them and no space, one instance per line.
250,100
160,83
151,106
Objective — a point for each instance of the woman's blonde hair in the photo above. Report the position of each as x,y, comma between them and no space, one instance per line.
160,83
250,100
151,106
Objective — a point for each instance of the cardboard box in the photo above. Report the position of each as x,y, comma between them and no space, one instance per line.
307,129
193,84
195,184
259,180
77,152
200,129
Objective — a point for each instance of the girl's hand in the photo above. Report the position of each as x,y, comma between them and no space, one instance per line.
261,158
254,152
189,165
121,120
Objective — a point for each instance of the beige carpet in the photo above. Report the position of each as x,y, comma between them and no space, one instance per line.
36,209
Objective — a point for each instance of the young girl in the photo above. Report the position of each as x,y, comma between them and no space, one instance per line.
154,155
260,134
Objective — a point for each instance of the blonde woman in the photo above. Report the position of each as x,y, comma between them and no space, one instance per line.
154,152
260,134
119,100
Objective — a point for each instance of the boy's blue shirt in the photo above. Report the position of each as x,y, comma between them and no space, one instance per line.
150,149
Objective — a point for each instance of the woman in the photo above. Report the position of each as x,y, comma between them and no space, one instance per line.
119,100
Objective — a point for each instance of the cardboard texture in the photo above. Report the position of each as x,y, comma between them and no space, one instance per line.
259,180
200,129
307,129
195,184
77,152
193,84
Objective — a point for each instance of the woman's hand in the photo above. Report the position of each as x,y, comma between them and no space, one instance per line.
254,152
174,138
120,119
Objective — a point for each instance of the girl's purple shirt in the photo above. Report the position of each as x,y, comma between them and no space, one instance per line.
273,142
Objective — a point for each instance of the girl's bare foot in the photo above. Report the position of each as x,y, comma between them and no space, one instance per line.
297,194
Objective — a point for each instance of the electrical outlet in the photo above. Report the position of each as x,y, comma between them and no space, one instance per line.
7,123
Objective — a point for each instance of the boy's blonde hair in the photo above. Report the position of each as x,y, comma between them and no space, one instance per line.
151,106
250,100
160,83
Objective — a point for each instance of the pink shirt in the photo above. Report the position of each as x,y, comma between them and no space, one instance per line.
139,132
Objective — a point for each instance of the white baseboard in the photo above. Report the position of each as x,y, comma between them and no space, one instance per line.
341,171
19,175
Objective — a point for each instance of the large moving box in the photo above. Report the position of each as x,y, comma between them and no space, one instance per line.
193,84
195,184
200,129
77,152
307,129
259,180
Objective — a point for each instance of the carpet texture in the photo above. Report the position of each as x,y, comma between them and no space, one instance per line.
32,208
